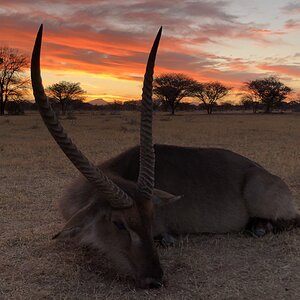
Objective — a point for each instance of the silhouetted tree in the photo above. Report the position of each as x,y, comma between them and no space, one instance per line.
226,106
209,93
17,107
157,104
187,106
131,105
65,93
171,88
249,103
294,105
13,82
115,106
270,91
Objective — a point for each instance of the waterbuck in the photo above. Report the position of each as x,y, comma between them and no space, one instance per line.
158,191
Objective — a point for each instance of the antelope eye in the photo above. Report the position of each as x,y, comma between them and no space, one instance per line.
119,225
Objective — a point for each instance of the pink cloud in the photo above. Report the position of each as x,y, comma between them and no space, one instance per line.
292,24
290,70
238,65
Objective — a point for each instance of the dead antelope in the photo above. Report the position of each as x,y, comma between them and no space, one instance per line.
121,205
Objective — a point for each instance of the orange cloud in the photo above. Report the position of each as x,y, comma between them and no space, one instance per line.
281,69
112,38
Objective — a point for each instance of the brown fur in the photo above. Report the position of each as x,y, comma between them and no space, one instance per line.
221,191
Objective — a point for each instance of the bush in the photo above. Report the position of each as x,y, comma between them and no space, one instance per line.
15,108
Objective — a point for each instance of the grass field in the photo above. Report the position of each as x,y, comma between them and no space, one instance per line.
34,172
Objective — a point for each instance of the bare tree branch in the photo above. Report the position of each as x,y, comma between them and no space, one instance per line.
65,92
209,93
13,83
171,88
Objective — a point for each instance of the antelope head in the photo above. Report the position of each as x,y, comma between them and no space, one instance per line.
123,221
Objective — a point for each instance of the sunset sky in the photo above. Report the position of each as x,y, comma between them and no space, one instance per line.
104,44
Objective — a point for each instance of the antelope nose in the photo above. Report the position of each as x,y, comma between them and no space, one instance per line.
153,283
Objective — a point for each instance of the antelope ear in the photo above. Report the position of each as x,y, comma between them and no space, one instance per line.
77,222
161,198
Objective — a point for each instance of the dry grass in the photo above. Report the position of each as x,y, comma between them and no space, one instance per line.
33,173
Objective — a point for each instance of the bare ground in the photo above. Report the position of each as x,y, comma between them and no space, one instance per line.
33,173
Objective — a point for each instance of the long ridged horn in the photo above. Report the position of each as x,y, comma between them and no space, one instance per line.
147,155
116,197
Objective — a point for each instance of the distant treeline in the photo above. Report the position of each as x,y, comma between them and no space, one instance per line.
169,91
19,107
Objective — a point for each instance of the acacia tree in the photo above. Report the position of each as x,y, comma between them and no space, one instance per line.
249,103
270,91
65,92
13,82
171,88
209,93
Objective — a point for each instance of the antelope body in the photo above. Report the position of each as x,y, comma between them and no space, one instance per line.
122,204
221,190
